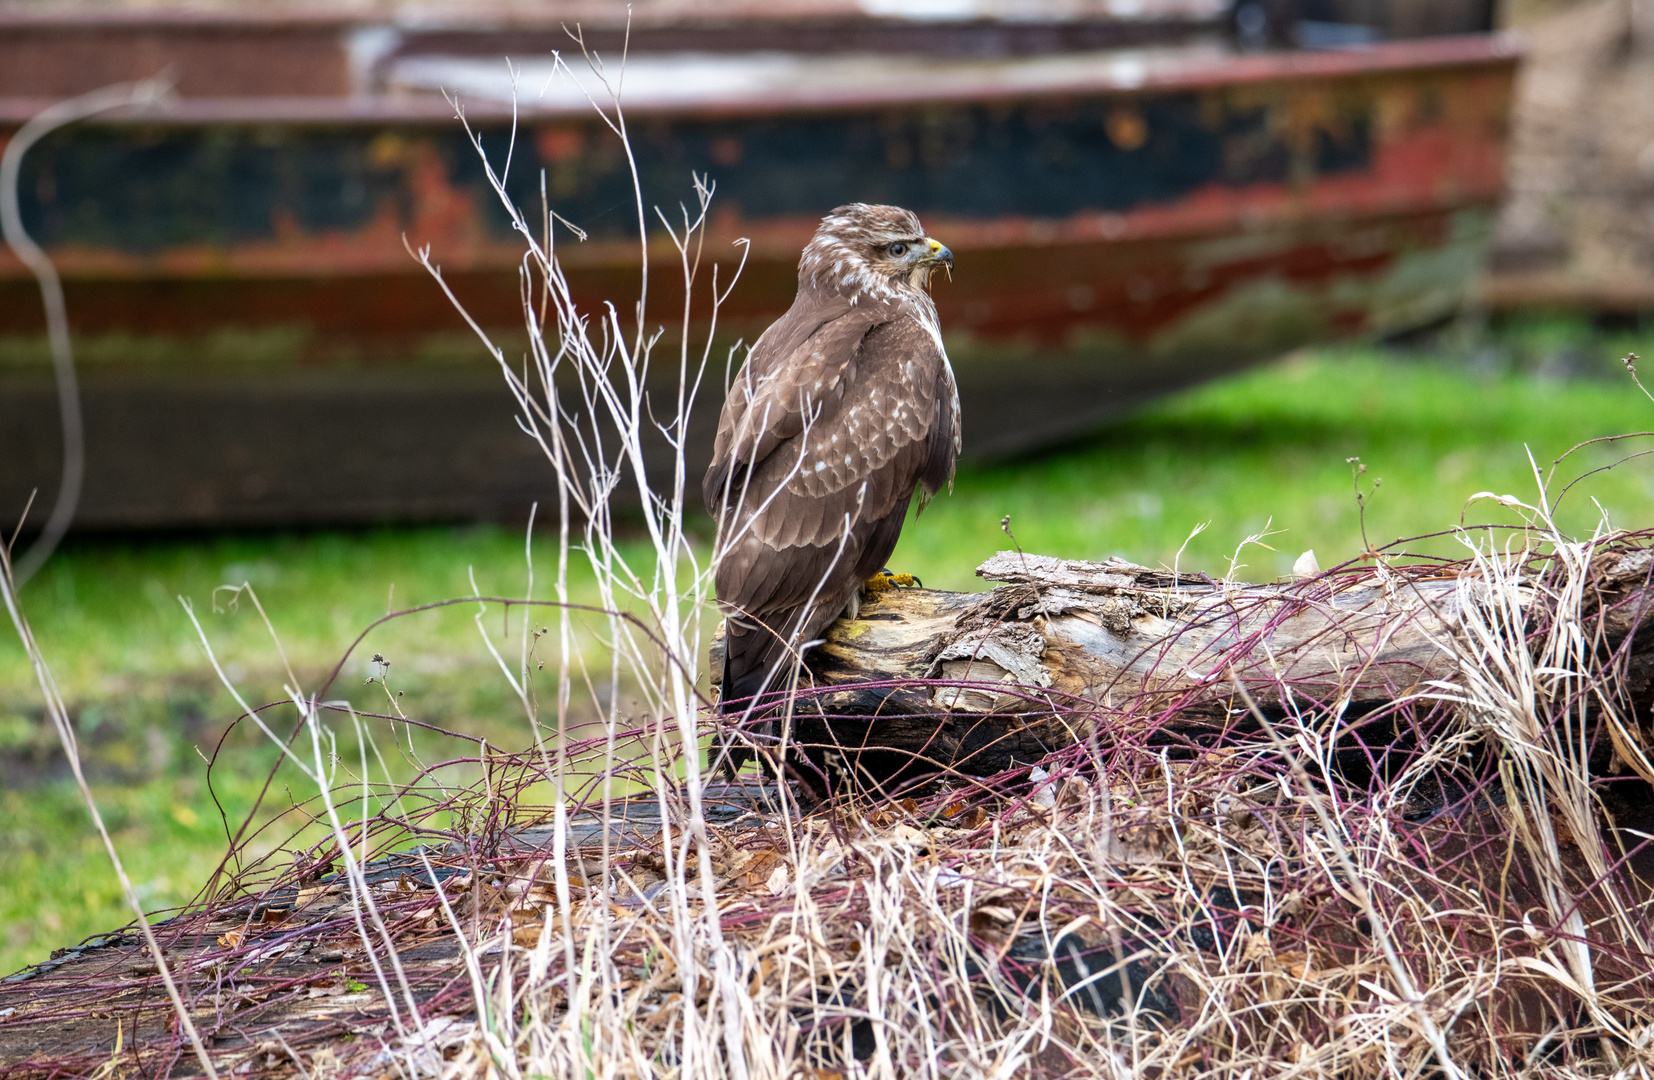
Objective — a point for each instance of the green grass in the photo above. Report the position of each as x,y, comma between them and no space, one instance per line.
1269,446
58,886
148,708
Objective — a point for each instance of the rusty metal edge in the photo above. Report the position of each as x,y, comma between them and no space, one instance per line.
488,17
1502,49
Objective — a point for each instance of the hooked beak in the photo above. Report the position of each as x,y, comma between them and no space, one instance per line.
939,254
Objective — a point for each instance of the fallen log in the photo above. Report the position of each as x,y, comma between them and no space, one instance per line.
1062,651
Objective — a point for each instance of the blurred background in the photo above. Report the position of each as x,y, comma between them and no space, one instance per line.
1207,253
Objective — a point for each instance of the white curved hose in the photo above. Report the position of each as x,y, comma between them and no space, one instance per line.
145,92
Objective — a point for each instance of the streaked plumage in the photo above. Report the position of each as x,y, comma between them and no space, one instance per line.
844,407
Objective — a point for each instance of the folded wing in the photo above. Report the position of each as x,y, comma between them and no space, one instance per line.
827,430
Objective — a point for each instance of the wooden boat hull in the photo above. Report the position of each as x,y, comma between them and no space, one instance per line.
1123,226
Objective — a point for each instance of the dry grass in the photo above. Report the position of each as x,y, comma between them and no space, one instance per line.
1146,906
1472,903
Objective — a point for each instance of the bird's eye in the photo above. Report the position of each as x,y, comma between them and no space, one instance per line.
897,250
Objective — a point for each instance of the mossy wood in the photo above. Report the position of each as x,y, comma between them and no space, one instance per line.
1065,651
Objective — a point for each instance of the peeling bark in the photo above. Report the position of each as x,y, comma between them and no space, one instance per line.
1062,651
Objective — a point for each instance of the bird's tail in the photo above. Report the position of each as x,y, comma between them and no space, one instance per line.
757,665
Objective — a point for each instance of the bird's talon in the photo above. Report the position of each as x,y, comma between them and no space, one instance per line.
885,580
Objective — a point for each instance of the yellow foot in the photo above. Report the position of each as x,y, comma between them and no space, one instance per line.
885,580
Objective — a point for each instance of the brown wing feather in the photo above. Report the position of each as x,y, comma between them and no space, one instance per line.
754,646
793,367
820,449
943,444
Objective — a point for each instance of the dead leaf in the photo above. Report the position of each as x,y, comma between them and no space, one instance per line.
323,988
758,869
1296,964
995,917
307,895
1074,793
766,967
1257,949
229,939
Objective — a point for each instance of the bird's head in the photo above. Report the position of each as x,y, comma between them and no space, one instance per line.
876,251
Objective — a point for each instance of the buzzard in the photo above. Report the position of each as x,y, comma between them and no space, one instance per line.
845,406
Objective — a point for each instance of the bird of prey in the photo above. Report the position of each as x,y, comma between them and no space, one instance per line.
845,406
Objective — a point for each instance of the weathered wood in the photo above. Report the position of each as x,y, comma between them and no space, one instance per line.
1063,651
